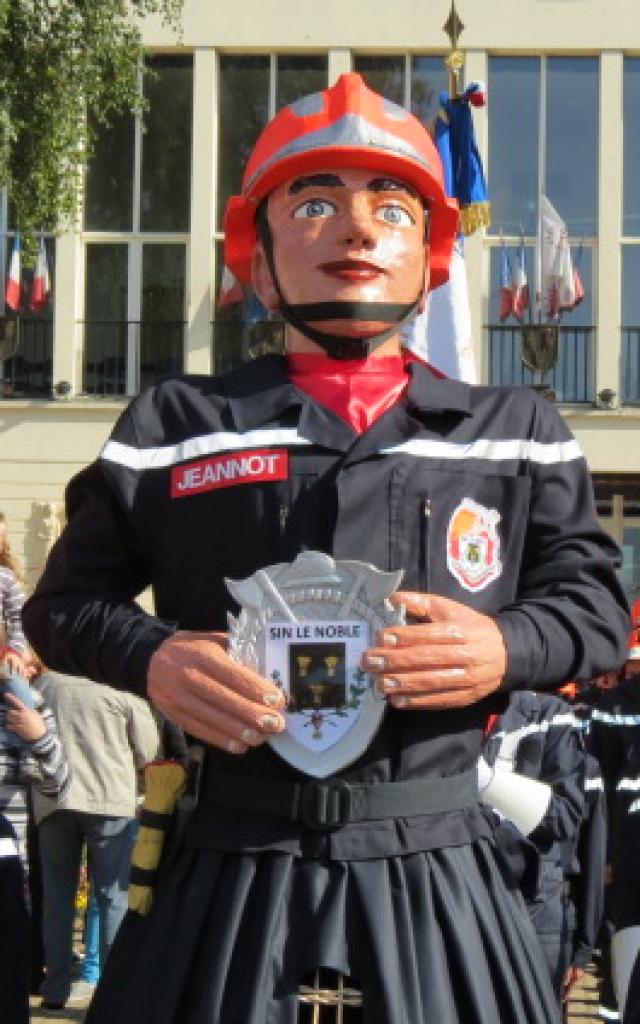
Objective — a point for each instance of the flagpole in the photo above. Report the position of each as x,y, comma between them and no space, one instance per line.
455,59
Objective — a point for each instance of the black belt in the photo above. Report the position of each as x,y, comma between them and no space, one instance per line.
327,804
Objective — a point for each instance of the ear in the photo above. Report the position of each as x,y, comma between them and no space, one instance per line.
427,281
262,280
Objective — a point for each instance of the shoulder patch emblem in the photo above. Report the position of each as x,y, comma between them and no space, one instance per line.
473,545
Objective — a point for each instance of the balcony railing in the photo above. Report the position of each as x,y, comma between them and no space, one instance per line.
572,378
630,366
26,357
123,356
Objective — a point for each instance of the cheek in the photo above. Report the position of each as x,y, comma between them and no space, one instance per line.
401,250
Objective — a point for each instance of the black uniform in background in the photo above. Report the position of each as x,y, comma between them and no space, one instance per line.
538,737
614,739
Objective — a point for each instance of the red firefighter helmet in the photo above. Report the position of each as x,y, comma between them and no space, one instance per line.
633,654
346,126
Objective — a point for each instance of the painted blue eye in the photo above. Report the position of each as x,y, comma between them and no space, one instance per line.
315,208
394,214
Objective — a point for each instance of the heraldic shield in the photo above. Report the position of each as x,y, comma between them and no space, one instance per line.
305,625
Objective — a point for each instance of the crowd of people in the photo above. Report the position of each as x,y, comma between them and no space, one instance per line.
456,810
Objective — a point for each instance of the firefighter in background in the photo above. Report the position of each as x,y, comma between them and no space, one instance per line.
343,446
536,753
614,739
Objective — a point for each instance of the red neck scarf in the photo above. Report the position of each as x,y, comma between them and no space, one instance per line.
359,391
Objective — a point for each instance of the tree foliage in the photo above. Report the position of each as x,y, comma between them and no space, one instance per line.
58,60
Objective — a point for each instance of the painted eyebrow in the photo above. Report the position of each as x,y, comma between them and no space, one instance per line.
390,185
333,181
315,180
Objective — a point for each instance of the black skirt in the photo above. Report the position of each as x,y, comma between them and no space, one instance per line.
440,937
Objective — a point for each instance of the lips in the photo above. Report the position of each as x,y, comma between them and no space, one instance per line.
352,270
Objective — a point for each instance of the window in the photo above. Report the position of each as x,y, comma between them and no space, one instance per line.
630,362
26,333
572,377
631,204
414,82
251,89
543,137
138,188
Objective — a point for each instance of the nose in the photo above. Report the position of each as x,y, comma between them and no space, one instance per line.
358,225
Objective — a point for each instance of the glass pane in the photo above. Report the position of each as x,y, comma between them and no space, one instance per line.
108,197
166,145
631,207
162,327
243,113
512,172
299,76
243,330
384,74
429,77
572,141
631,285
630,388
105,336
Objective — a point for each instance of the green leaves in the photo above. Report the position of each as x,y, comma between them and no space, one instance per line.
58,59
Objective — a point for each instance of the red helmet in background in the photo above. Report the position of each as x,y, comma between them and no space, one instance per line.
347,126
633,654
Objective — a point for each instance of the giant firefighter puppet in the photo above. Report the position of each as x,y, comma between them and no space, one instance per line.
384,871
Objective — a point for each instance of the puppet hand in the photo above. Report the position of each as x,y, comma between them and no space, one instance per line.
194,683
455,656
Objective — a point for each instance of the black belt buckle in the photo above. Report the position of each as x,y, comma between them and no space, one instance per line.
325,806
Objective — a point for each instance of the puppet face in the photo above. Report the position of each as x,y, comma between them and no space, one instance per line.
344,236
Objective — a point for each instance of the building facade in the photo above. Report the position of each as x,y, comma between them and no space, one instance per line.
135,288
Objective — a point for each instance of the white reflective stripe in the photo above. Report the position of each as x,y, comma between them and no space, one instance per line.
511,740
609,719
195,447
593,784
628,786
493,451
8,847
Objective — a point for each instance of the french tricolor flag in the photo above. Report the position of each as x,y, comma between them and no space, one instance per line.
13,293
506,285
41,281
520,286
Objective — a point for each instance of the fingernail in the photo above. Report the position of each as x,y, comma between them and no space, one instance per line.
235,747
250,736
389,640
391,684
375,662
274,700
269,722
400,702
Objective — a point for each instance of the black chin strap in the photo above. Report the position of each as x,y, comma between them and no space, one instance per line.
337,346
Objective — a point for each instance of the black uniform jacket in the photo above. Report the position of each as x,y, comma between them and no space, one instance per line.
479,494
614,739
